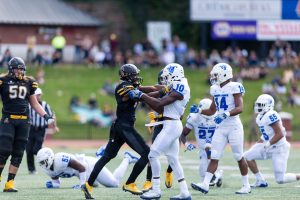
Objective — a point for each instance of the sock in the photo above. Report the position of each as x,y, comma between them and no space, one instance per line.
259,176
11,177
149,173
207,178
183,187
169,170
288,178
245,181
120,171
156,183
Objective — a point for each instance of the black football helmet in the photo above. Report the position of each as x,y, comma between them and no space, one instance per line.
130,73
16,63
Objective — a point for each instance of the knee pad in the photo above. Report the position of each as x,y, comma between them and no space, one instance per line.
153,154
237,156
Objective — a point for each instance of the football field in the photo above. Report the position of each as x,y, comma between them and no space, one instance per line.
32,187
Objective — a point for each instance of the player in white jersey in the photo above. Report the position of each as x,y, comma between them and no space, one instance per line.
65,165
204,129
227,104
172,106
271,145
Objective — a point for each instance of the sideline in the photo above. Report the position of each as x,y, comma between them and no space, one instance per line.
78,144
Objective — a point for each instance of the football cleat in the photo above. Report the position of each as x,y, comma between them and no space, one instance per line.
132,159
100,151
212,181
147,186
259,183
151,194
87,190
169,179
132,188
10,187
182,197
217,179
244,190
200,187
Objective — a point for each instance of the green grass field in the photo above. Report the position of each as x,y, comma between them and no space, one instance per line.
62,82
33,186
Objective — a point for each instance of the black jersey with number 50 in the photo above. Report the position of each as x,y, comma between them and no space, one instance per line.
15,94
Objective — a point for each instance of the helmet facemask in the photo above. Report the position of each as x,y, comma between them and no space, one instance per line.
263,104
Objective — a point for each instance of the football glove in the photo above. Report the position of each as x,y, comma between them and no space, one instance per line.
194,109
220,117
135,94
189,146
52,184
166,89
49,119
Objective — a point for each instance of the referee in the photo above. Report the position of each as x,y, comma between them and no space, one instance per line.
37,131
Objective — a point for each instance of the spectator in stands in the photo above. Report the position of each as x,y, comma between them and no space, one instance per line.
31,43
58,43
78,49
87,45
6,58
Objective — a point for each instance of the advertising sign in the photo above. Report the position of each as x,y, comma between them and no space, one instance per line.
290,9
245,30
157,31
281,29
209,10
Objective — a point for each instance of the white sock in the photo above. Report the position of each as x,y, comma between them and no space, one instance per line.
259,176
183,187
156,184
288,178
245,181
207,178
120,171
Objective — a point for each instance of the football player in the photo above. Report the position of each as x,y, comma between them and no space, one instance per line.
172,107
204,129
123,131
17,92
228,103
65,165
271,145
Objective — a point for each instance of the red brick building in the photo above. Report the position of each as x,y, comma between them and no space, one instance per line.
41,19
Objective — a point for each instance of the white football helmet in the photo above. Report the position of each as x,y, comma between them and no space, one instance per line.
45,157
204,104
172,72
264,103
220,73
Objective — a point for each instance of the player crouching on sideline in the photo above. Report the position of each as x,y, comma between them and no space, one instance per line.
172,107
65,165
228,103
271,145
204,129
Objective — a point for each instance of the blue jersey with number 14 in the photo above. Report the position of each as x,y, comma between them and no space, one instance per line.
224,97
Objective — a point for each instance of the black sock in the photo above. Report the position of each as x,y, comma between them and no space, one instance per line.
169,170
1,169
97,168
11,177
149,173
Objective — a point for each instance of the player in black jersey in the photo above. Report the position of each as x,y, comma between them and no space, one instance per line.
123,131
17,91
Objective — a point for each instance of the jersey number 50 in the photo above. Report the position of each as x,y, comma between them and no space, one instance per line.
16,91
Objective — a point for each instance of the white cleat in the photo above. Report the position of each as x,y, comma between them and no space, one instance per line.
132,159
244,190
182,197
259,183
200,187
151,194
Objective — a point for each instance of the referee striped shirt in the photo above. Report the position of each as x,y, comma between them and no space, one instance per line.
36,120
